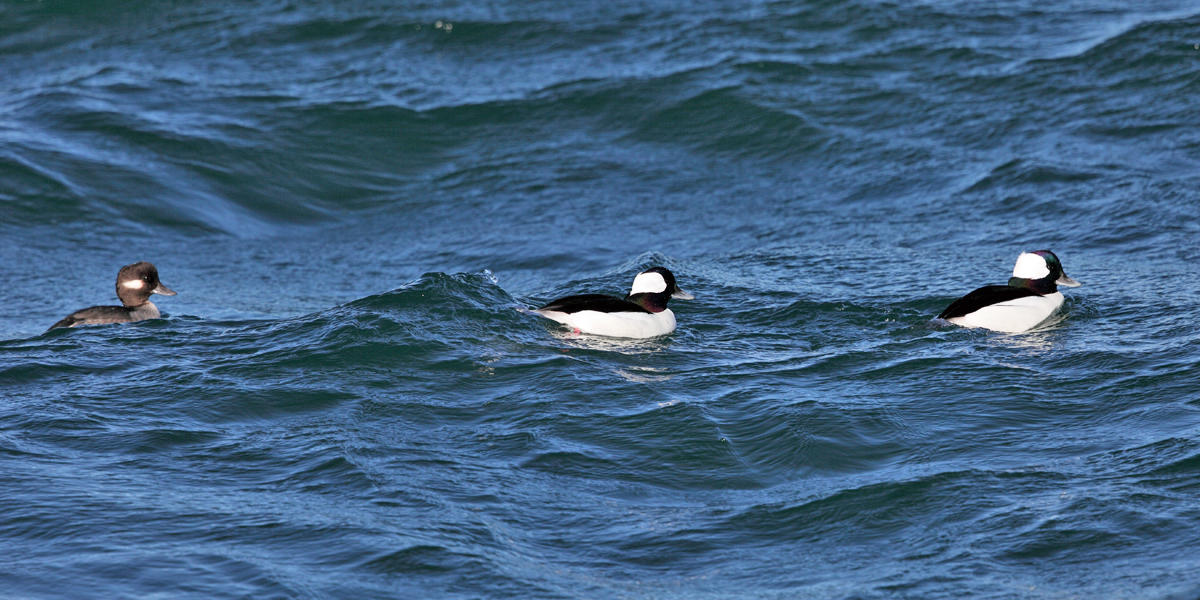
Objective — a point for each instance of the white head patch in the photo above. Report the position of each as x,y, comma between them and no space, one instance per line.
1030,266
648,283
133,284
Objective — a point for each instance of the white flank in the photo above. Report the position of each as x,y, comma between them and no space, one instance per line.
648,283
1013,316
1030,266
627,325
133,284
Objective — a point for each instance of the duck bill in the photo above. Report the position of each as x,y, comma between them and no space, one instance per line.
1067,281
682,295
162,289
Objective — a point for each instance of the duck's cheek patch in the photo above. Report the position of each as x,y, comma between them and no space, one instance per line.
1030,266
135,284
648,283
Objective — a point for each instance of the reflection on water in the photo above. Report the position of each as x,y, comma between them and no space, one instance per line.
643,374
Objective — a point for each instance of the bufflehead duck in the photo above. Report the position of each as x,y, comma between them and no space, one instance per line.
135,283
1030,297
642,314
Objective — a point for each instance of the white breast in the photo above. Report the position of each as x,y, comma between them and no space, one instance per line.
628,325
1013,316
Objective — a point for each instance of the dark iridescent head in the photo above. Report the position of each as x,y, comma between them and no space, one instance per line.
1041,271
653,287
136,282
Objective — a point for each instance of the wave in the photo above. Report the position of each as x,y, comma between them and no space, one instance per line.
1133,50
436,318
250,147
232,174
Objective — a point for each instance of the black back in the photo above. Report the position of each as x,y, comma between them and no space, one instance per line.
596,302
642,302
95,315
985,296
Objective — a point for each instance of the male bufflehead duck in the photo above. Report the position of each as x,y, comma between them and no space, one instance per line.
642,314
1030,297
135,283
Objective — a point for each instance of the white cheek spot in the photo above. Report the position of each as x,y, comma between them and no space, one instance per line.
649,283
134,284
1030,266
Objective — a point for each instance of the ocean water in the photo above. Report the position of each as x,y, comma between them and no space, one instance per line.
356,200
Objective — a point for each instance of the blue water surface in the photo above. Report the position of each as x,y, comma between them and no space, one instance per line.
358,200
